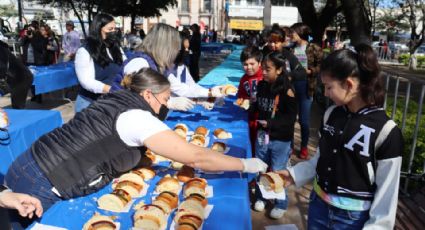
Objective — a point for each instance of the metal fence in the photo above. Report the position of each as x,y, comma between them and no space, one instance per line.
401,89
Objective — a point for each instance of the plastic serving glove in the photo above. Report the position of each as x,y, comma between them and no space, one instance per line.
216,91
253,165
207,105
180,103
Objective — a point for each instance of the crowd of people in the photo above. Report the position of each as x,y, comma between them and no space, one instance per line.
124,100
356,168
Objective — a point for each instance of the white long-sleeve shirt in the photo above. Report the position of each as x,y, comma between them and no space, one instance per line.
84,68
188,89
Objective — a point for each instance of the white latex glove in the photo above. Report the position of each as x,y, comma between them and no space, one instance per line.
180,103
253,165
216,91
207,105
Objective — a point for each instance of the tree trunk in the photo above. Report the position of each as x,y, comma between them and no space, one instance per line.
133,21
79,18
317,24
358,25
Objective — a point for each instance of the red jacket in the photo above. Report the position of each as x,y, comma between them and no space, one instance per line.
248,85
248,90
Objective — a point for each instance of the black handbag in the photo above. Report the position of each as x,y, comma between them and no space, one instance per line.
4,77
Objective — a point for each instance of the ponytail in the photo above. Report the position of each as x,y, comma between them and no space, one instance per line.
362,64
145,78
371,85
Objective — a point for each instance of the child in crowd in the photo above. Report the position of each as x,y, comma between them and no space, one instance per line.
277,108
251,61
299,35
356,169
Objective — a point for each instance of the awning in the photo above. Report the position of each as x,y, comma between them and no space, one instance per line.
242,24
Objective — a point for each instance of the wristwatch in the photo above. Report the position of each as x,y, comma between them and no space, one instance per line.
2,188
209,93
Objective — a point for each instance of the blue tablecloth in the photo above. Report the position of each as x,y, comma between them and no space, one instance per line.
231,202
228,72
216,47
53,77
26,126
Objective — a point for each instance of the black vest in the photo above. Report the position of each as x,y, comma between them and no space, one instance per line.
105,75
88,147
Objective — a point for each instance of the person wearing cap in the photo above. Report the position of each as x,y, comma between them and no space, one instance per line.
70,42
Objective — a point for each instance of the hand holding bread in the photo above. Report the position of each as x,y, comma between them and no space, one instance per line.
287,177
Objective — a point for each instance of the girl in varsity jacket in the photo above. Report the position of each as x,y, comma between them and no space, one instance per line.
277,110
356,169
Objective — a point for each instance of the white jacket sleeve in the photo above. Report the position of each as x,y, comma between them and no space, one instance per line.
384,206
188,89
305,171
84,68
135,65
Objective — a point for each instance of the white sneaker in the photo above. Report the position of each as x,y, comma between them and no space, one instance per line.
259,206
277,213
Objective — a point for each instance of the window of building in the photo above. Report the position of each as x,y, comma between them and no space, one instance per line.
207,5
282,3
185,6
255,2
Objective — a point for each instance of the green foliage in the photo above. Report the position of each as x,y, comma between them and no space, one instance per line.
404,58
408,132
8,11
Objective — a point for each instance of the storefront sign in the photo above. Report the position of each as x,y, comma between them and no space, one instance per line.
241,24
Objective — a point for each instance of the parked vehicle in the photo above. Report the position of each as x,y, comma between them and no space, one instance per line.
420,51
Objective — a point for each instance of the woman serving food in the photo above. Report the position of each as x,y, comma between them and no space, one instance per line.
108,139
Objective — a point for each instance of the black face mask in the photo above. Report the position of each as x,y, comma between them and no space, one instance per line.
111,38
163,112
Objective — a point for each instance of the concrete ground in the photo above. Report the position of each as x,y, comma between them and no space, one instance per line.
298,197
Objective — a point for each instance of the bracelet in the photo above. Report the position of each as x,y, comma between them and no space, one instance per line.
209,93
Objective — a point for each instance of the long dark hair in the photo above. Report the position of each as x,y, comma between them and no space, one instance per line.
95,45
362,64
282,83
302,29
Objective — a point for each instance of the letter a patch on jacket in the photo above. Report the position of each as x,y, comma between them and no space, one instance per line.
364,133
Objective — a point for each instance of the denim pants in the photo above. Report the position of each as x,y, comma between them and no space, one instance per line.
324,216
275,154
304,108
82,103
25,176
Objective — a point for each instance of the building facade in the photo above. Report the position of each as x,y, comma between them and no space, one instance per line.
208,14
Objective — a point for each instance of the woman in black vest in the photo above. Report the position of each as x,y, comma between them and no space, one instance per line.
98,61
105,140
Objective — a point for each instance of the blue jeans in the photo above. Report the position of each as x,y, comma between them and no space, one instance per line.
25,176
82,103
275,154
324,216
304,108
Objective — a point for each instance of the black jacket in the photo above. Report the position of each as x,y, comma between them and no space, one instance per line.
350,151
88,147
281,127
